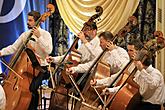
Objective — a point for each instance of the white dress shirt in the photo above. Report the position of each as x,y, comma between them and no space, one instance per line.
42,46
117,59
89,52
152,87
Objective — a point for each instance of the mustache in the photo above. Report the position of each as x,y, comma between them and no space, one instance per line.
88,38
29,27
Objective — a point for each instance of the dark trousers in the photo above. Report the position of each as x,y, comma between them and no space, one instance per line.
36,82
149,106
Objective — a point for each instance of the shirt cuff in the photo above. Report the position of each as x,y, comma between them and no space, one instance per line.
114,89
57,59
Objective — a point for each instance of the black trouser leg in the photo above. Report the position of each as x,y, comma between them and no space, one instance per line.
36,82
149,106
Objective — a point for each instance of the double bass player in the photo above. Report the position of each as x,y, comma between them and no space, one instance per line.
41,43
149,80
89,41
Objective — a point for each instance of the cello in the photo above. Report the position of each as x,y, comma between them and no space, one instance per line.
127,97
16,85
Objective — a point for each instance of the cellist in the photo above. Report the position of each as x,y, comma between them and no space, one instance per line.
151,83
41,43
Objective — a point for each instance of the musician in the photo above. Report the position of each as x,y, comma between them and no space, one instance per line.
151,83
89,42
149,79
42,45
116,57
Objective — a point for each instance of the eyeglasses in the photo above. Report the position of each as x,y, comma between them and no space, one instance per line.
86,29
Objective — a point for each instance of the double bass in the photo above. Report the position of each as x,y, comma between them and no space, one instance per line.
16,85
69,79
128,97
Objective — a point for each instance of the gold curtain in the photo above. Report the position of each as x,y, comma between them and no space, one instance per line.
160,26
114,17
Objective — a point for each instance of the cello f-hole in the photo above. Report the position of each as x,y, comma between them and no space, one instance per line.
15,87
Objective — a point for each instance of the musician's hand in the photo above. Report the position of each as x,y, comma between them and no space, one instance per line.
81,36
110,46
49,59
139,65
108,91
93,82
69,71
36,32
105,91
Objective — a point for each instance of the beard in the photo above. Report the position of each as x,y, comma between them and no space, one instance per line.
29,27
88,38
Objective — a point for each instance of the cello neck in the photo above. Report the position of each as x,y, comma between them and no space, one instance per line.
23,46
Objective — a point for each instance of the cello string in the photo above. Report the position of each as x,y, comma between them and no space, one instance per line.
1,60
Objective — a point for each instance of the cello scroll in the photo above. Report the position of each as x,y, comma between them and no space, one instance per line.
155,44
132,22
99,11
51,10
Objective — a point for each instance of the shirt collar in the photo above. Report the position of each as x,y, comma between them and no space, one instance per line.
150,69
94,40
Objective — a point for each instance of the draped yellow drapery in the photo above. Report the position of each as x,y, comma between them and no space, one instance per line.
114,17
